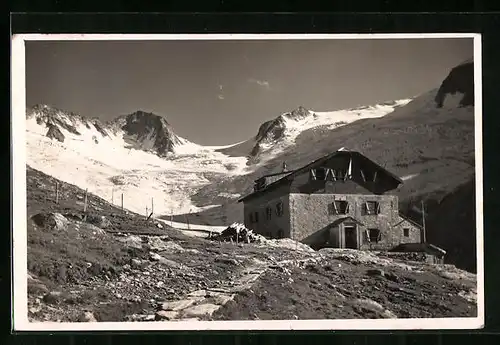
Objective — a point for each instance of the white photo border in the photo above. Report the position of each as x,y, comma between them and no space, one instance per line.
19,221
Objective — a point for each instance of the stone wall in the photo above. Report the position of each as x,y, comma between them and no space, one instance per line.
310,214
269,227
414,232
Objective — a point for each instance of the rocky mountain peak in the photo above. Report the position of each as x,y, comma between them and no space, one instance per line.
298,113
149,131
459,80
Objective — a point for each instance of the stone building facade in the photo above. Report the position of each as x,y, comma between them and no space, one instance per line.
342,200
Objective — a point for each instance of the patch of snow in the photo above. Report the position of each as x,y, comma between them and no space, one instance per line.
409,177
142,176
194,227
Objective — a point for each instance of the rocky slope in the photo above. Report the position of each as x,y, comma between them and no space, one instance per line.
112,266
451,225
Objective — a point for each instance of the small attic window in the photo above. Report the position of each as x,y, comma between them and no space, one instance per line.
406,232
318,174
339,174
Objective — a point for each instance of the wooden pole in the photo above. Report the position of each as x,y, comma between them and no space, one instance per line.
146,210
122,202
187,221
152,205
85,201
171,218
57,192
112,196
423,223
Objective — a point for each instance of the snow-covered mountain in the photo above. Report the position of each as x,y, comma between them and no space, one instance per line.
140,130
277,134
140,155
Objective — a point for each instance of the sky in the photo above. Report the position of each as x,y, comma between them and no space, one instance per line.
219,92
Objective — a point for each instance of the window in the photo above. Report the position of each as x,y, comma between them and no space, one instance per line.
318,174
279,209
254,217
406,232
373,235
339,174
327,174
371,207
338,207
269,212
259,184
281,233
368,175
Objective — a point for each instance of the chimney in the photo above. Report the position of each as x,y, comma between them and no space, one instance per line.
284,166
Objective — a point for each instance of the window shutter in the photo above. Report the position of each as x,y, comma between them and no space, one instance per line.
347,208
331,208
313,174
378,208
334,175
362,175
367,209
327,173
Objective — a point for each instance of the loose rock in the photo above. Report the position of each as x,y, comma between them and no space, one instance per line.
87,317
166,315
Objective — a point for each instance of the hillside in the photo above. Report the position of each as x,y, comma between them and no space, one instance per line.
107,265
451,226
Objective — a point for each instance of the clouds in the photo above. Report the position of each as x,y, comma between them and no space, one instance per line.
220,96
237,88
263,83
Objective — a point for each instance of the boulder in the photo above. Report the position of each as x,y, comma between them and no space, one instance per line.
156,244
50,221
53,297
87,316
132,241
201,310
166,315
179,305
99,221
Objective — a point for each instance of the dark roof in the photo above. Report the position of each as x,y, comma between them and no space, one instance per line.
276,174
291,175
405,218
419,247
